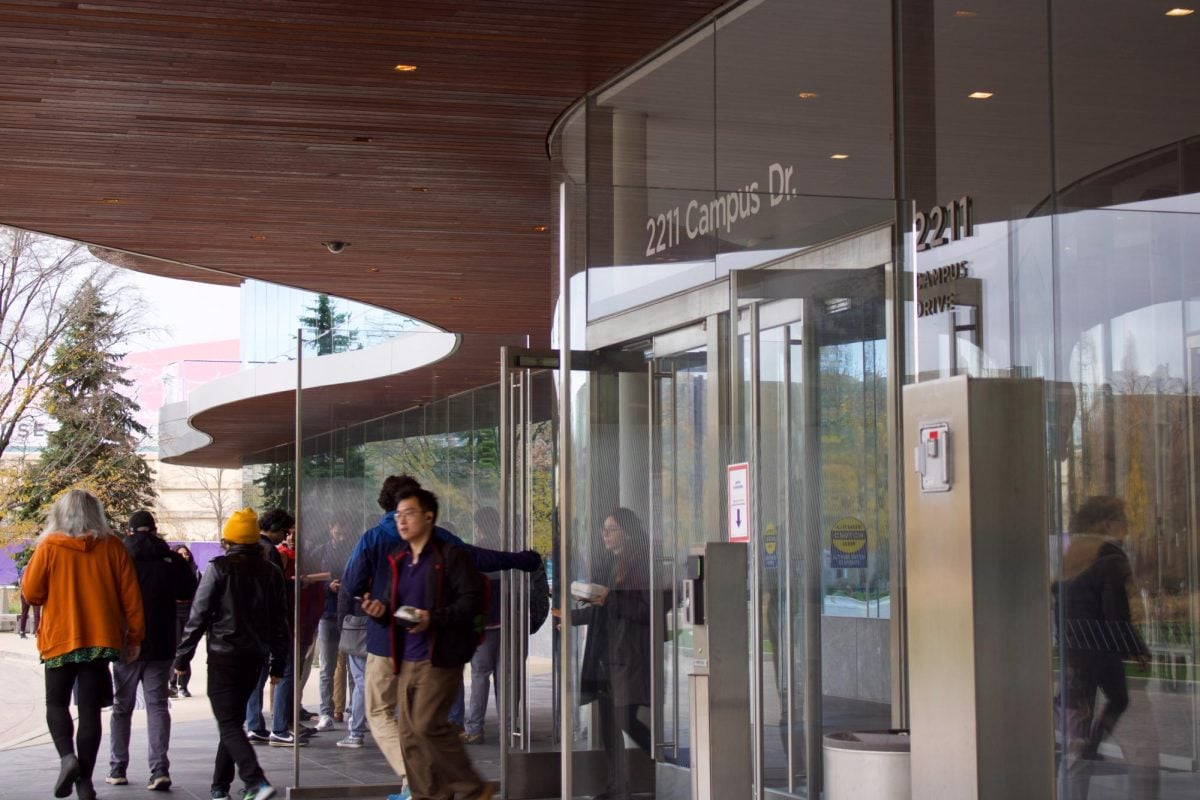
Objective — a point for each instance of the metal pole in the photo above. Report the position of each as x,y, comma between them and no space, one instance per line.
296,655
755,450
506,523
810,359
654,508
784,564
563,573
525,582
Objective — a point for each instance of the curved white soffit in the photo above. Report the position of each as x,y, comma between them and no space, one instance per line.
406,352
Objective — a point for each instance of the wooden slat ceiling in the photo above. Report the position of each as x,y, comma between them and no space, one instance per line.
237,135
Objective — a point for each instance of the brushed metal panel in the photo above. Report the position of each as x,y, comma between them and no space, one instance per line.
978,595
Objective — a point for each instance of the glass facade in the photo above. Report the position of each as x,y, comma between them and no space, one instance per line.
1032,168
767,230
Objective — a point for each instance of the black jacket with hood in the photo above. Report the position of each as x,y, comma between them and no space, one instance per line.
242,605
454,597
164,577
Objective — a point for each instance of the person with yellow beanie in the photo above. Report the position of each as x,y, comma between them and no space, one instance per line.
242,605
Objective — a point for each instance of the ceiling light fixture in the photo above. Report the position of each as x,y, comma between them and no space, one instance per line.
539,228
980,95
258,237
964,14
839,156
372,269
807,95
406,68
1181,12
112,201
420,188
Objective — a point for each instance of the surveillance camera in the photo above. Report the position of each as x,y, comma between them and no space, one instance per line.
335,246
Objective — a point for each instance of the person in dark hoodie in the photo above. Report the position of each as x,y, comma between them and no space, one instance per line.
369,567
164,578
437,581
241,604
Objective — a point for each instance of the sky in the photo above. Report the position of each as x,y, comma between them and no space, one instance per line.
184,312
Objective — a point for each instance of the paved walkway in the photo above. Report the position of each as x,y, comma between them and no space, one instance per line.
29,764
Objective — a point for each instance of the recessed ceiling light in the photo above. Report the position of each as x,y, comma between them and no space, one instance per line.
1181,12
258,237
979,95
406,68
839,156
807,95
420,188
964,14
539,228
372,269
112,201
364,138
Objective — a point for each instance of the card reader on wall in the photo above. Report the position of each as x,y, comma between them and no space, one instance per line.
932,456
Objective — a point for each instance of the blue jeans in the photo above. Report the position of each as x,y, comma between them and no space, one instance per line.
357,667
327,651
282,705
254,715
483,678
456,710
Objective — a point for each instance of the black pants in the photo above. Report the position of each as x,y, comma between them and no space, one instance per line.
615,721
1089,671
178,681
230,684
23,617
95,692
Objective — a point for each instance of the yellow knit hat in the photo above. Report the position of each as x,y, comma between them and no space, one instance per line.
241,527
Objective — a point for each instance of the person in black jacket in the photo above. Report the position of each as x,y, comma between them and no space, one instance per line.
183,611
164,578
437,582
616,658
241,604
1098,631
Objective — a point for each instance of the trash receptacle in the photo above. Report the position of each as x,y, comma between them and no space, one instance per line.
868,765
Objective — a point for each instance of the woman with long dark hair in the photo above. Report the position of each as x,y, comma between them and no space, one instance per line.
83,578
178,686
616,657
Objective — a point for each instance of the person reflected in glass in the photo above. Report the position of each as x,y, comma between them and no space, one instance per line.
616,658
1098,632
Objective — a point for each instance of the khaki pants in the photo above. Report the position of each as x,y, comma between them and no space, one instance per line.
438,766
381,698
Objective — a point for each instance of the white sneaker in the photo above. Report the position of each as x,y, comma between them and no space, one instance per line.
325,723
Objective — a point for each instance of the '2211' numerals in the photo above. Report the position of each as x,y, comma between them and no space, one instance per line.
944,224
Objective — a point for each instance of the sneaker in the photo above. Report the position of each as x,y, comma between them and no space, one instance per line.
258,737
325,723
264,791
285,740
466,737
352,740
159,783
306,731
306,715
184,693
173,693
339,717
405,794
220,794
116,777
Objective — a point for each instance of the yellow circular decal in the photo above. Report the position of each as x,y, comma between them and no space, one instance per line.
849,543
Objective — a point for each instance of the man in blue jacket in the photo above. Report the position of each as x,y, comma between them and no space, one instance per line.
368,571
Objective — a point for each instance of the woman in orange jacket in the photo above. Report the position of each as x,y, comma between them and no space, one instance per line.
92,614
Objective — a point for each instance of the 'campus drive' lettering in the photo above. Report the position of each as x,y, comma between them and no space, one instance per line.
697,218
945,276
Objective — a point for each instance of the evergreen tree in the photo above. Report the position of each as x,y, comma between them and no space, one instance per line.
95,443
325,327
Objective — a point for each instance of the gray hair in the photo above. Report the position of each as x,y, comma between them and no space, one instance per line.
77,513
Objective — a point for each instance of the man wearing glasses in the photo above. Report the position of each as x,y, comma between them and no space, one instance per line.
433,609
